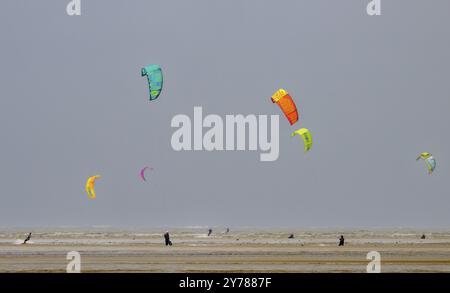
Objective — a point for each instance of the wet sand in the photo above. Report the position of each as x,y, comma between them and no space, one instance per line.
265,252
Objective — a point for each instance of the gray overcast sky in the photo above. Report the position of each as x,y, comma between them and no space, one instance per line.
374,91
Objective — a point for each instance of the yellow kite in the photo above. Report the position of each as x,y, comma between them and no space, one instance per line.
90,186
307,138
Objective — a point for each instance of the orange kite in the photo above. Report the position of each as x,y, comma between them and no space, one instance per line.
287,105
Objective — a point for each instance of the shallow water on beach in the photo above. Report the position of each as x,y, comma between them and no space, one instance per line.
200,236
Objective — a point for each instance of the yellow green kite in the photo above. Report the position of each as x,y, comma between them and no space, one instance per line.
307,137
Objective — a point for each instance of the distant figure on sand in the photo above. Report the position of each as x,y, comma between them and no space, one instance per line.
167,238
291,236
27,239
341,240
423,236
209,231
228,230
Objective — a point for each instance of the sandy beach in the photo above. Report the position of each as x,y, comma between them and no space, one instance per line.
237,251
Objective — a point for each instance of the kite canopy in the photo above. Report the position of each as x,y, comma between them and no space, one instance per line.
307,137
287,105
423,155
90,186
143,172
154,78
429,161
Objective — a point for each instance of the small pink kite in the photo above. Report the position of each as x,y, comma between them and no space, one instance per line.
143,171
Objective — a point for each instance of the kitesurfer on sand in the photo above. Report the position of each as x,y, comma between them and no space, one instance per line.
167,238
27,239
341,240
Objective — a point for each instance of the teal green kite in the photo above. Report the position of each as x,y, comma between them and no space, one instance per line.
155,79
429,161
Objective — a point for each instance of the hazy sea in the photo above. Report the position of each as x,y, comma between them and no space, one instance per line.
199,236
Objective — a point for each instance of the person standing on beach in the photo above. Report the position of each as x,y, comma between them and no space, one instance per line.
167,238
209,231
27,239
341,240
